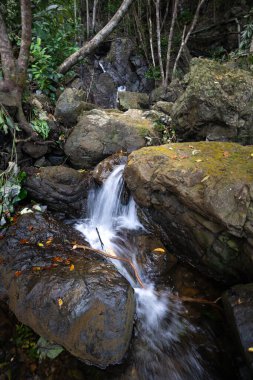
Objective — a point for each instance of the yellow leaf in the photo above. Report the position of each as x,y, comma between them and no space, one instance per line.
60,302
72,267
159,250
250,349
199,160
251,155
40,244
205,178
49,241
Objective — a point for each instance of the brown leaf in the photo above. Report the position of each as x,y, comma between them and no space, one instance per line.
49,241
226,154
30,228
18,273
72,267
57,259
23,241
159,250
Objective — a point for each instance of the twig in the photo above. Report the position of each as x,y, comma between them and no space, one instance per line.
85,248
102,244
196,300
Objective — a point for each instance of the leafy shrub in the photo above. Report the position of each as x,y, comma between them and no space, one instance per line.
41,127
153,73
11,191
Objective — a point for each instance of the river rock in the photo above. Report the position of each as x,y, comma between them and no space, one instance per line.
105,167
60,188
238,302
70,105
73,298
216,105
100,133
200,197
132,100
34,150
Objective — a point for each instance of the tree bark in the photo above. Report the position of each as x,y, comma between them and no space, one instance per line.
97,39
6,53
158,33
174,16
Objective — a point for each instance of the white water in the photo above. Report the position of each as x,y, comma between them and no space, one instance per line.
159,352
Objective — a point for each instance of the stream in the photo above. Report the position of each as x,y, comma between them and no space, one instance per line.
164,345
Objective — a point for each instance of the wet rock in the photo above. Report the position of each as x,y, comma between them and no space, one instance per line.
105,167
238,302
34,150
99,134
201,198
174,90
72,298
71,104
216,105
132,100
104,91
60,188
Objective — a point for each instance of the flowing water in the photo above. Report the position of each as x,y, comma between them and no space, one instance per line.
164,347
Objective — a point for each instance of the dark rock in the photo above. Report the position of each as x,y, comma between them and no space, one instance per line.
34,150
201,198
60,188
102,171
102,133
104,91
87,308
216,105
174,90
238,302
70,105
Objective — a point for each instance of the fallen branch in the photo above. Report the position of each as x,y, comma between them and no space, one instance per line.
112,256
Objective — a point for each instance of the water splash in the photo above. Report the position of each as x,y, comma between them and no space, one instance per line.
163,349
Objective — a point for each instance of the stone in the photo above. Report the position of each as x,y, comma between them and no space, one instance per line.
102,171
238,304
60,188
216,104
132,100
100,134
70,105
174,90
200,196
165,107
73,298
34,150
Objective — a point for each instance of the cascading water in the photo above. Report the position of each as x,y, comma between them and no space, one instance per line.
163,348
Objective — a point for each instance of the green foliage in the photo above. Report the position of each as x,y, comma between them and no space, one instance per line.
41,127
11,191
112,6
6,122
47,349
166,132
246,37
153,73
26,340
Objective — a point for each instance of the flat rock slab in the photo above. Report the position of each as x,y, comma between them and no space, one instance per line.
73,298
238,302
201,197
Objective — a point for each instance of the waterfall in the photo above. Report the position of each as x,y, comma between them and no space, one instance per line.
164,349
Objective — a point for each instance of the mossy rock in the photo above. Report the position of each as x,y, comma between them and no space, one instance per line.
201,196
217,104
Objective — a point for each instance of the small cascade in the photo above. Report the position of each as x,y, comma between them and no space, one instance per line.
163,348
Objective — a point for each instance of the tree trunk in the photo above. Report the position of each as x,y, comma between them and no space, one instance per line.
15,71
174,16
158,33
97,39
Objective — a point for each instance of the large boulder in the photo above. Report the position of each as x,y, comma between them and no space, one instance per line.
73,298
71,103
60,188
216,105
99,134
200,196
238,303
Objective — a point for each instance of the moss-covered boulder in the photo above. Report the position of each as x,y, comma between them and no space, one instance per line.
132,100
100,133
216,105
200,195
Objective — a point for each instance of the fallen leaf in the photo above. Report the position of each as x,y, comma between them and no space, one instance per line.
190,146
67,262
182,156
23,241
57,259
49,241
174,157
226,154
250,349
159,250
205,178
30,228
72,267
251,155
60,302
195,151
18,273
36,269
40,244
